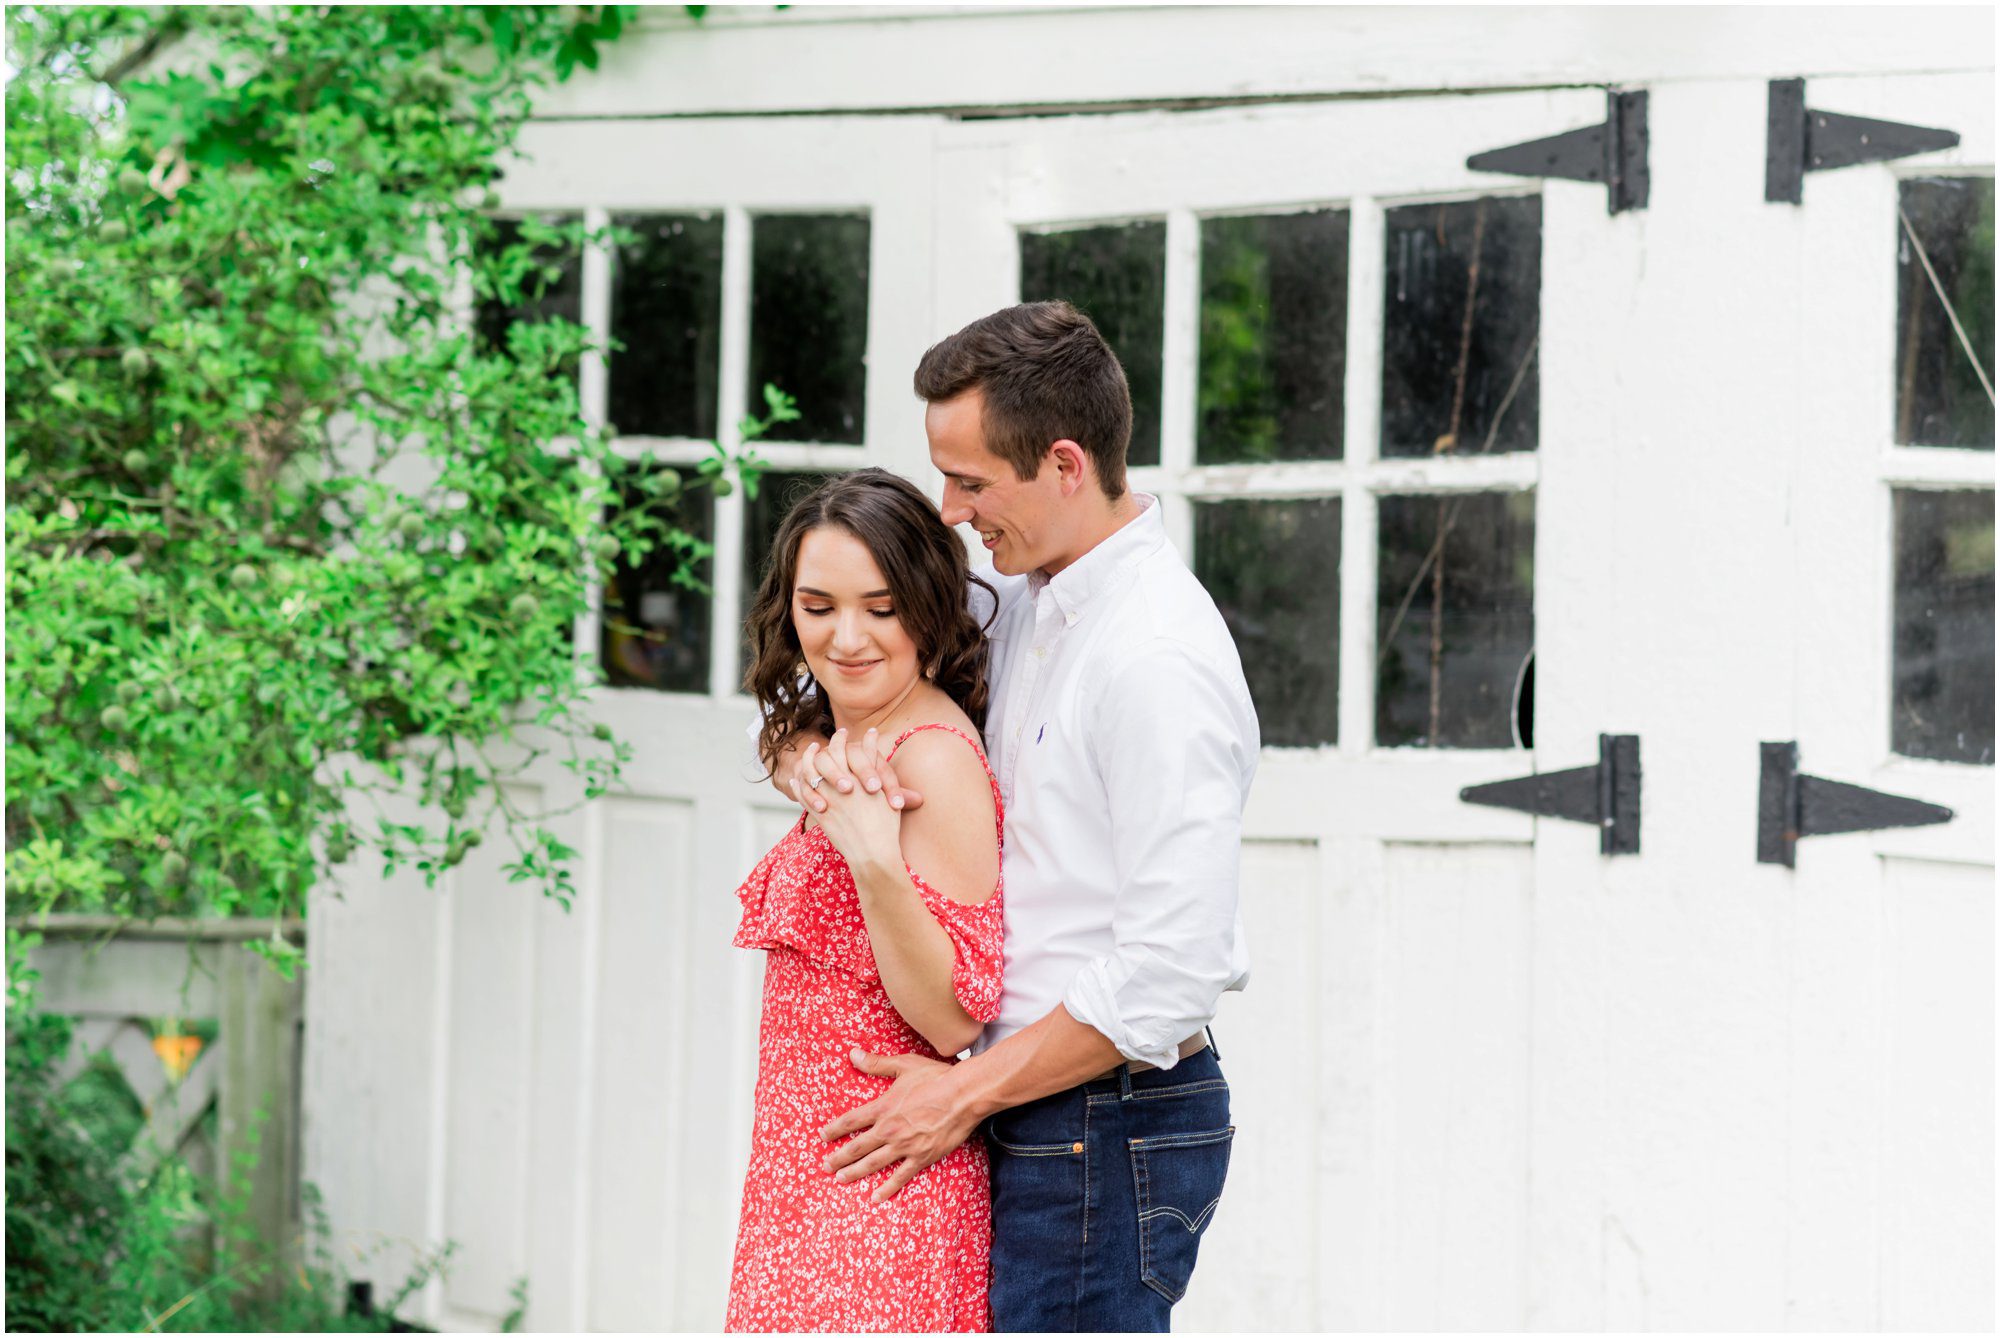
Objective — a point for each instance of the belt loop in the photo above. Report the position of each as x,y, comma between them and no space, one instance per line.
1210,1032
1125,1082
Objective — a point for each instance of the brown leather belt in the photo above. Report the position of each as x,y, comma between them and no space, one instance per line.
1193,1045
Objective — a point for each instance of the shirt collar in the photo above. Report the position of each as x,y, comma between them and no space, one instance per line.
1078,583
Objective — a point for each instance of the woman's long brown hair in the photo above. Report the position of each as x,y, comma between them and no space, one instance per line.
929,579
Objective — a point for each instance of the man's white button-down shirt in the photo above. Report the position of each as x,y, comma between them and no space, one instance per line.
1123,735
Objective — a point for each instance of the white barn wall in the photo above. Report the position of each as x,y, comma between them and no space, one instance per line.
1484,1077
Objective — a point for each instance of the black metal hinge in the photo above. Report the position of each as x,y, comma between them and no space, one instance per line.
1802,140
1613,153
1790,806
1606,794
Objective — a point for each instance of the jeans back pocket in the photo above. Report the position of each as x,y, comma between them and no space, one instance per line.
1178,1178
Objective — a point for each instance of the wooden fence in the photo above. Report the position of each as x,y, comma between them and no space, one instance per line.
119,979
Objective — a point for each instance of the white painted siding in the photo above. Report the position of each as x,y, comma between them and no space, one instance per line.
1484,1077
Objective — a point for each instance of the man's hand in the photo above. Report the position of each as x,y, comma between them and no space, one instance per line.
845,763
916,1122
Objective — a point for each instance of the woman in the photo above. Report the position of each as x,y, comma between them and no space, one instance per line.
882,928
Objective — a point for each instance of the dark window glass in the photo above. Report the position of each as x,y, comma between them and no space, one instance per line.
1273,569
1449,383
1117,276
551,288
1944,626
655,623
809,321
666,309
1273,337
1455,610
777,494
1939,398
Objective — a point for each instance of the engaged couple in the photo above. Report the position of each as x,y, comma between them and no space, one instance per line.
1059,900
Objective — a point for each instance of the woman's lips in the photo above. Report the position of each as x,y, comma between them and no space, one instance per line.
854,668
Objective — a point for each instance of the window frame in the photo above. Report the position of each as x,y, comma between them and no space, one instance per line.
1358,479
1918,468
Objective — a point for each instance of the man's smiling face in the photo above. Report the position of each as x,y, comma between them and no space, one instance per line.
1015,517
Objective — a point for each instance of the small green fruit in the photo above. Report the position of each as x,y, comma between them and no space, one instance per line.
114,719
606,547
113,230
135,461
472,838
454,807
243,576
667,483
410,525
174,866
723,486
133,182
135,361
168,697
524,607
129,692
602,733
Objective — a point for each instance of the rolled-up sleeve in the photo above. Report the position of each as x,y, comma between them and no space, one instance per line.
1176,747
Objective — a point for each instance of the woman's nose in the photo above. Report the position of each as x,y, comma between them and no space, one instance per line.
848,632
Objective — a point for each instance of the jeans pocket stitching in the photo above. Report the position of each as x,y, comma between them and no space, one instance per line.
1036,1149
1137,1148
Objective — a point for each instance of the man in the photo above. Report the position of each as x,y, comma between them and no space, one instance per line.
1125,742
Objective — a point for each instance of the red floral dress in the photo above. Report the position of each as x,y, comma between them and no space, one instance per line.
812,1253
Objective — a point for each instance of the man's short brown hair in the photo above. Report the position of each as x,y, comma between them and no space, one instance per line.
1046,374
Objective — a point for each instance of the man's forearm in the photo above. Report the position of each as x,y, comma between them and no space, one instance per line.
1052,1055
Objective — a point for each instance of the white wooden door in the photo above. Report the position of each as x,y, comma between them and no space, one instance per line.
1487,1076
1763,1095
1380,1059
566,1098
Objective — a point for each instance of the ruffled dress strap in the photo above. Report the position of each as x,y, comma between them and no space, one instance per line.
977,932
801,896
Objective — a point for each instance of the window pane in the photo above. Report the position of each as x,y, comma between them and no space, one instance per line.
552,293
1117,276
1273,337
1273,569
1939,401
666,309
777,494
655,625
1455,611
809,321
1448,385
1944,626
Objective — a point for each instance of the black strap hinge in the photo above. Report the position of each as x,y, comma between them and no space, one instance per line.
1613,154
1605,795
1790,806
1802,140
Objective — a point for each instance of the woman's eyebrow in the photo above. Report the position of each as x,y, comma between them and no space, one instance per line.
872,594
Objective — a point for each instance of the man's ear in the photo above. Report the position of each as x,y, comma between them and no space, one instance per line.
1072,464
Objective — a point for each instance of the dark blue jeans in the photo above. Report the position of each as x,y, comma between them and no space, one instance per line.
1101,1195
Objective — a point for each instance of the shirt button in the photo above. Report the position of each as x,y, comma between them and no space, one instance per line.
1041,652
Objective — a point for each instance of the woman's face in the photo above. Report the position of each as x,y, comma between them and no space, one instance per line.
847,625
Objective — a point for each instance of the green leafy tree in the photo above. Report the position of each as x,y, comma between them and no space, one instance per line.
286,534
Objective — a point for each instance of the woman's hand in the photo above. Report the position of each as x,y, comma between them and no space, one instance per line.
863,827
